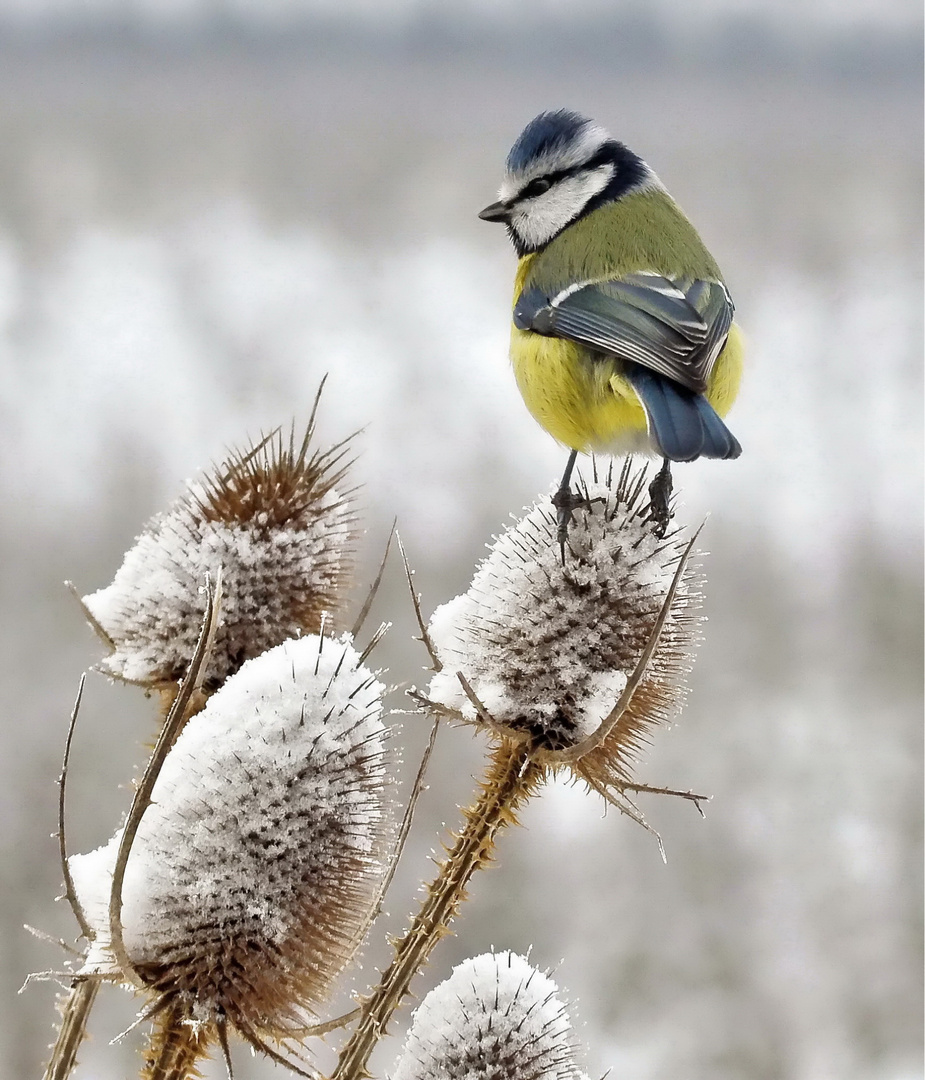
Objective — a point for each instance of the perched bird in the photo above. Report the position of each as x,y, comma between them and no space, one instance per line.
623,339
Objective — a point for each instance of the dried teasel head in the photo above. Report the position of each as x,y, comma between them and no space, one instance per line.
278,522
543,649
255,867
495,1018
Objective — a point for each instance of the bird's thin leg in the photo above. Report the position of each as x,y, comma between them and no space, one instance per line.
565,503
659,495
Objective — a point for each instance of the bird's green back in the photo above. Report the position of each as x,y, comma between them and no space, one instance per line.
645,230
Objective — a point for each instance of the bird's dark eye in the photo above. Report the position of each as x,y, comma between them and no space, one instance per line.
536,187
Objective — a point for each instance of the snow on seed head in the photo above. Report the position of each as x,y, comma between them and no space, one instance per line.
547,647
255,864
282,531
494,1018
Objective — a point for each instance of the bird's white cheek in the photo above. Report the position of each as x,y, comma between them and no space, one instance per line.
538,220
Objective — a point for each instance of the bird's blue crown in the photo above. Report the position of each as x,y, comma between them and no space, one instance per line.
547,135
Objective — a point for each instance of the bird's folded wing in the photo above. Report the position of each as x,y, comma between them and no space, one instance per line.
675,326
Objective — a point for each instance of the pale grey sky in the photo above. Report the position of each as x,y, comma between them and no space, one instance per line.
795,14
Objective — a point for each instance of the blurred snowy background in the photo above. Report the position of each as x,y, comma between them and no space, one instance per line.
205,205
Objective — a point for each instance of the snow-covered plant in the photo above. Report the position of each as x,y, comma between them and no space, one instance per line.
251,863
258,860
495,1018
544,647
274,518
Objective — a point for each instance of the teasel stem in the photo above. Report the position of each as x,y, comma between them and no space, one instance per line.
176,1046
74,1012
512,775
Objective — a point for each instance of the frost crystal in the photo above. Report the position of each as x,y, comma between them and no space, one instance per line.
255,864
273,520
494,1018
547,648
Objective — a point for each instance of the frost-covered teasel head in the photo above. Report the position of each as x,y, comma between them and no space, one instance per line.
547,648
276,521
495,1018
255,866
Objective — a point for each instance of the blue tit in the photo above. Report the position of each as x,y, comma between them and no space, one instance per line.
622,338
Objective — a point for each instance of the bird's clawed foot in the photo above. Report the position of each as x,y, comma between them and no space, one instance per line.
659,497
566,503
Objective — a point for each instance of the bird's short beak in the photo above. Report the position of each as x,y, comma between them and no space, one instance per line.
498,211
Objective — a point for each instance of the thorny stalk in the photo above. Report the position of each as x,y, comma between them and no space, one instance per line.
74,1012
511,776
178,1051
416,790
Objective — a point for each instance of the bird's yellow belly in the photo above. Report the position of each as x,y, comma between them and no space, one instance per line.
584,401
578,397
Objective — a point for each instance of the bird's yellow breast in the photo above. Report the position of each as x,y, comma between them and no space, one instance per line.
582,397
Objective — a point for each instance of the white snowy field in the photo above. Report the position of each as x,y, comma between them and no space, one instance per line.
191,238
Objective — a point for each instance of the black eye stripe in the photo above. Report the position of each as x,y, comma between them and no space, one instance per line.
536,187
604,156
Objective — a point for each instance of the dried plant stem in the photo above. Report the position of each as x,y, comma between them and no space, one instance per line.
512,775
74,1012
173,725
176,1046
69,892
376,908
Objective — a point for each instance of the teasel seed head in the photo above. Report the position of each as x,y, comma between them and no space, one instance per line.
257,862
495,1018
277,520
546,647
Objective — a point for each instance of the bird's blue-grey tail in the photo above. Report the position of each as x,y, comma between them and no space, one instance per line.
685,425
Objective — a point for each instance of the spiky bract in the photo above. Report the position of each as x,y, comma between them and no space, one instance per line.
495,1018
281,530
